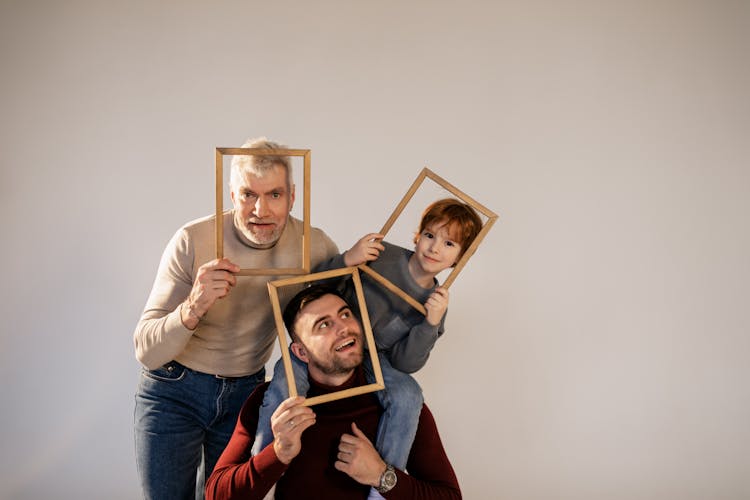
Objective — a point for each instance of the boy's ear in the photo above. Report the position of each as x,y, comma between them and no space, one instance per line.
300,351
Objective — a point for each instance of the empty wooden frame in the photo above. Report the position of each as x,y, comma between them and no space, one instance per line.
284,345
305,154
490,215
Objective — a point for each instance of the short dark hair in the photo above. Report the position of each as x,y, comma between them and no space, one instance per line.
299,301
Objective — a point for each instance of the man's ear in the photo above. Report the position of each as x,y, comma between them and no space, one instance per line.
299,351
291,198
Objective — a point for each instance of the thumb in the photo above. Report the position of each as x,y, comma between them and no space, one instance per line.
358,432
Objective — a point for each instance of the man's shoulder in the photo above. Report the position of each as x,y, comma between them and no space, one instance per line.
202,231
298,226
199,224
318,238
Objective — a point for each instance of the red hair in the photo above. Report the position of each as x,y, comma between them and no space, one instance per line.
461,221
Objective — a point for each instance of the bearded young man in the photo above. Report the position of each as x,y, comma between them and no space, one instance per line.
328,452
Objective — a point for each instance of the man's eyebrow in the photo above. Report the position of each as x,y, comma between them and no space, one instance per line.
278,189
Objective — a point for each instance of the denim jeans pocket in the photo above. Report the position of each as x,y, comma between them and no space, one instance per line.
171,372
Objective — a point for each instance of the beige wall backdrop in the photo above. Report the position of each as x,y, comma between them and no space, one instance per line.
597,344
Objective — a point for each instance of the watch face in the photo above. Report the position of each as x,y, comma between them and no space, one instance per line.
389,480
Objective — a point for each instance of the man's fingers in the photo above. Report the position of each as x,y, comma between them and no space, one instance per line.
342,466
288,404
226,265
291,417
223,276
357,432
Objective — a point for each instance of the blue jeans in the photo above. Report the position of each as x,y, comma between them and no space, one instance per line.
401,401
183,422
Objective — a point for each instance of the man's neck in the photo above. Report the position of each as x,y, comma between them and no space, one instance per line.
332,381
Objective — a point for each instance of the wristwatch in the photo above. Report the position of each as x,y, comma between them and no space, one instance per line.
387,479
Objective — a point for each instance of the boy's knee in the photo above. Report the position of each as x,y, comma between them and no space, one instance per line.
406,391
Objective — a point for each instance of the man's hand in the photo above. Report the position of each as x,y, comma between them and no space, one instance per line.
368,248
436,305
359,459
213,281
288,423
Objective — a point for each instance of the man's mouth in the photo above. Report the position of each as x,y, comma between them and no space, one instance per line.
260,224
345,345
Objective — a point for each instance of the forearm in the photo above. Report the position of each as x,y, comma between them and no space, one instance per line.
430,472
410,488
412,352
159,340
237,477
160,335
334,262
237,474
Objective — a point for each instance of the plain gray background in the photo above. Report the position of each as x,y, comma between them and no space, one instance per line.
596,344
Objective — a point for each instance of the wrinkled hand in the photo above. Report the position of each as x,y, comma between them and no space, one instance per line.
359,459
436,305
366,249
288,423
214,280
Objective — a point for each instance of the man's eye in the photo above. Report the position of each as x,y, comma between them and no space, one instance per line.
276,196
346,314
323,324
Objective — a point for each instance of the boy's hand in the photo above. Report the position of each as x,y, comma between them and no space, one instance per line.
368,248
436,305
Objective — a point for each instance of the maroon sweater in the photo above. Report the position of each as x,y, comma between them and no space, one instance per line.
312,474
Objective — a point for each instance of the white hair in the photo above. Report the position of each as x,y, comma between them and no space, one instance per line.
257,164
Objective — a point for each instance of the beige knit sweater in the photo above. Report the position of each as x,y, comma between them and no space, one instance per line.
237,335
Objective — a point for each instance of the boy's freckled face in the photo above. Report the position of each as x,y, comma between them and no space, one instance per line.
436,250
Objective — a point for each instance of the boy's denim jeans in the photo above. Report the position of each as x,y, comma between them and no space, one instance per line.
183,422
401,401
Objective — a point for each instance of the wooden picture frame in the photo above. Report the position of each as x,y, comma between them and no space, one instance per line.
489,214
367,331
305,154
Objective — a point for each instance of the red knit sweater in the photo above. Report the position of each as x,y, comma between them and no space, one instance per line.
311,474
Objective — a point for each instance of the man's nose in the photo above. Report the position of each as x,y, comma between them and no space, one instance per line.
340,327
261,207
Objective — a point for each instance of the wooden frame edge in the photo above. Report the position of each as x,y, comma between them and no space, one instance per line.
489,214
219,222
284,345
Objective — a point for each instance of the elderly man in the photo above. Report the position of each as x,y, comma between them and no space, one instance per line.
206,334
328,453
